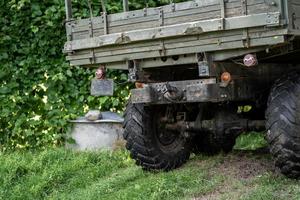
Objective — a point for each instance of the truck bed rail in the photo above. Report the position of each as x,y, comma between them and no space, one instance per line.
174,30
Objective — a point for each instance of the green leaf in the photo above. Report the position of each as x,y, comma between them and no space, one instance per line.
69,73
4,90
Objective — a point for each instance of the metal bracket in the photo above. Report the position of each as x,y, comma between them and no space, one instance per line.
222,21
134,70
70,26
162,50
171,93
145,12
91,34
161,16
92,57
105,23
204,63
272,20
244,7
245,38
173,5
222,24
294,18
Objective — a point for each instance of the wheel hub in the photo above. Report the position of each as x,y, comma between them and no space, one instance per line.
166,137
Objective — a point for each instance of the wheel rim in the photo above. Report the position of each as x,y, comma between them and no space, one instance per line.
166,137
168,140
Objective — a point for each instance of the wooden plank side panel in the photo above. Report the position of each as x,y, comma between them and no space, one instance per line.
180,30
138,47
143,16
216,37
206,10
120,18
216,42
140,16
188,50
294,15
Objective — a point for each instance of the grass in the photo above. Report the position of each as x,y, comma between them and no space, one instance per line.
250,141
63,174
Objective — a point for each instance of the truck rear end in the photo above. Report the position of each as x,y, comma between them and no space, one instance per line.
197,65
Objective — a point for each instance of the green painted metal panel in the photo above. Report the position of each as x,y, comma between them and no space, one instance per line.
222,28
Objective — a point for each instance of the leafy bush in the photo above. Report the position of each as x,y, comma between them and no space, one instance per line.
39,92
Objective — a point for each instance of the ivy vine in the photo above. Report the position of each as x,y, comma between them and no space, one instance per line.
39,91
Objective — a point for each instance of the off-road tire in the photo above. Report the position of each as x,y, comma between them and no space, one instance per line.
139,133
283,124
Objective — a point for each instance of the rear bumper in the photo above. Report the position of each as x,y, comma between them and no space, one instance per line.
202,90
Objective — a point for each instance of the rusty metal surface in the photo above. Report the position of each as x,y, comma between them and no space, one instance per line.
144,95
202,90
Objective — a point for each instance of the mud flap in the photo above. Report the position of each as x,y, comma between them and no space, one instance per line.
103,87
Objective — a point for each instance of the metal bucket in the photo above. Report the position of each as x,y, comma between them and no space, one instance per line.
105,133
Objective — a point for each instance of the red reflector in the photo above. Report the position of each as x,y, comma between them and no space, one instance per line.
226,77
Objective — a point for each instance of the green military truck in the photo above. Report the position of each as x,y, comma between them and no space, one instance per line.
196,66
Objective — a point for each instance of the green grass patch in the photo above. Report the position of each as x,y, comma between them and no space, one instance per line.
64,174
270,187
250,141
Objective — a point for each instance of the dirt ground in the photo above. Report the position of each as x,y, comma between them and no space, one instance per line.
246,165
240,167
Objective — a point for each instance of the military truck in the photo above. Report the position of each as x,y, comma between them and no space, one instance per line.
205,71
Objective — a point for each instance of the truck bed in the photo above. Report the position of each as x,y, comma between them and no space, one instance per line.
173,34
